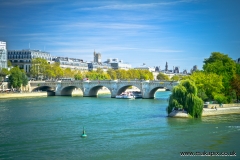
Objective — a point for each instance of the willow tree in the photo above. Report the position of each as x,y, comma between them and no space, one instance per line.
184,96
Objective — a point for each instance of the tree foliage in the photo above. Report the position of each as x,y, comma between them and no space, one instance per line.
184,96
238,68
224,66
41,68
17,78
208,84
162,76
235,83
4,72
112,73
176,78
9,64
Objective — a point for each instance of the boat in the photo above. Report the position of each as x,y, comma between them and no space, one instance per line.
124,95
137,94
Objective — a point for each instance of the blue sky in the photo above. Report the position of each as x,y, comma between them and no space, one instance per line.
181,32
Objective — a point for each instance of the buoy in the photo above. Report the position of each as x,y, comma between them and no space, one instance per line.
83,134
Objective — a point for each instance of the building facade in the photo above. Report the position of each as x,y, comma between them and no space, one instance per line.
238,60
3,55
72,63
145,67
93,66
23,58
97,57
118,64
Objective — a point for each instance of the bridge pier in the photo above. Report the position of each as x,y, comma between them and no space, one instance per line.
50,93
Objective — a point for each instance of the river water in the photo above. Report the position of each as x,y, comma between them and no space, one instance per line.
50,128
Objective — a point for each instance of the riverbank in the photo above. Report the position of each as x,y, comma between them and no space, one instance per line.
43,94
27,94
219,111
207,112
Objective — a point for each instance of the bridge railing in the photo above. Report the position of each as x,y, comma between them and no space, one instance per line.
96,81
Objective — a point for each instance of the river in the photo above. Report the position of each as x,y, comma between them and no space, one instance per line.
50,128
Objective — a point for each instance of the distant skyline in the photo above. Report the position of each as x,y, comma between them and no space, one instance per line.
180,32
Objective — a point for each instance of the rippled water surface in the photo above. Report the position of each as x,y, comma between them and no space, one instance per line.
50,128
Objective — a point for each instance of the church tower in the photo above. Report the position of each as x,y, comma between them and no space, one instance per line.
97,57
166,67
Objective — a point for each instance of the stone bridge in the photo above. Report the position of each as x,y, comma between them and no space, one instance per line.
90,88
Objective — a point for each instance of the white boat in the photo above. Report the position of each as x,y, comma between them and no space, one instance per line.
125,96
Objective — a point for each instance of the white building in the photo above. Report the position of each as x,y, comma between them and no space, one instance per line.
3,55
145,67
93,66
72,63
23,58
118,64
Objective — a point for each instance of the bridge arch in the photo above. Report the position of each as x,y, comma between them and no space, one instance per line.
125,87
93,92
43,88
68,90
153,91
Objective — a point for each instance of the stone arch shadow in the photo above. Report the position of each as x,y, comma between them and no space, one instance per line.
68,91
154,90
123,89
50,90
93,92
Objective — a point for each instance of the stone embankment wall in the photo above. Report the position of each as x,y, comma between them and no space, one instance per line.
222,106
210,110
18,95
219,111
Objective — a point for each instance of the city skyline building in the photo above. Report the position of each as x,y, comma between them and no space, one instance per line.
118,64
145,67
238,60
23,58
72,63
97,57
3,55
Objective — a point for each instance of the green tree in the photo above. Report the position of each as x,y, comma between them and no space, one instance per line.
99,70
238,68
39,68
17,78
78,76
58,71
224,66
3,73
208,84
9,64
184,96
176,78
112,74
94,75
162,76
50,73
24,79
235,83
68,73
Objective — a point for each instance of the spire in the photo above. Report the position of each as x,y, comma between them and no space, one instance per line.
166,67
